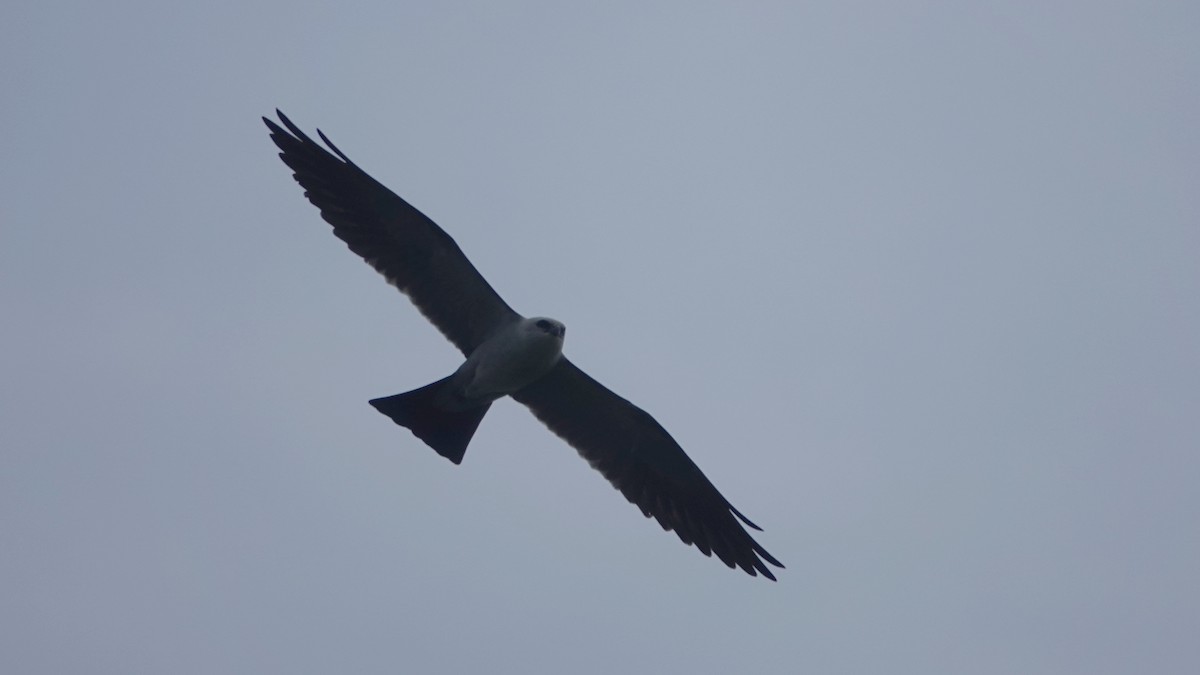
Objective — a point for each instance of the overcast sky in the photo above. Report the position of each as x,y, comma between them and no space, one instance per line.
915,284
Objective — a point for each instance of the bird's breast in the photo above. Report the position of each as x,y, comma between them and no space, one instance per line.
508,361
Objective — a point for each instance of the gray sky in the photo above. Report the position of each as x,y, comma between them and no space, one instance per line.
916,286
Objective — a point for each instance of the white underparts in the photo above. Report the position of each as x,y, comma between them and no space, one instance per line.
513,357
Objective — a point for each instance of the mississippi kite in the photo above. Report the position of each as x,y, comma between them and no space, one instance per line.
508,354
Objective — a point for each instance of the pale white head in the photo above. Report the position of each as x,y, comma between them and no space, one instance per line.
547,326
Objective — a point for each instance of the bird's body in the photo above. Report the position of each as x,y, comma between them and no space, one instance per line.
510,355
446,413
516,355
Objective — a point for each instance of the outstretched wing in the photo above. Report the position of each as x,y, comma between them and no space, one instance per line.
639,457
400,242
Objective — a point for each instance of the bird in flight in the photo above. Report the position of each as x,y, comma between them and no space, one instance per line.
509,355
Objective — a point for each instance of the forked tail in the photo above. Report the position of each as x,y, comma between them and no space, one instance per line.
446,431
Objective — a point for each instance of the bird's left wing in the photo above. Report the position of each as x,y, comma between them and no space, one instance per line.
400,242
639,457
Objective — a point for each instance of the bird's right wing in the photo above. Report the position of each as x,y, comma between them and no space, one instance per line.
400,242
637,455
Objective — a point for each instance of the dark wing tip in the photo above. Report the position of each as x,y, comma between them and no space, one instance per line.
334,148
288,123
301,136
744,519
273,127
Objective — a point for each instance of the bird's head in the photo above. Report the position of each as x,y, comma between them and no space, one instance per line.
549,326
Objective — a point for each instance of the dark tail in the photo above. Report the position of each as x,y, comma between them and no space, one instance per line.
446,431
